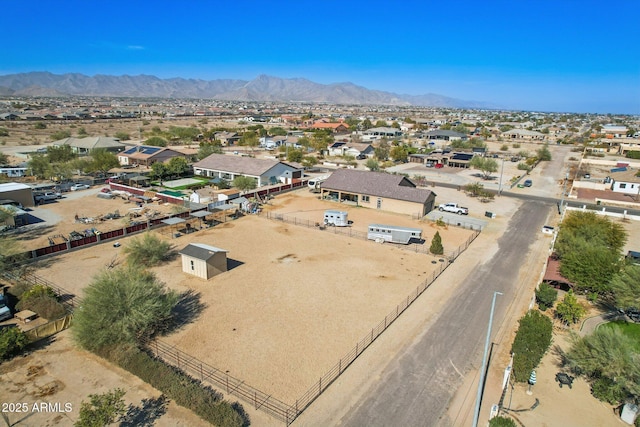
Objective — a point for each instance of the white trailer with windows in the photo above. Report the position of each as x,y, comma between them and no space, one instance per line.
393,234
314,183
336,218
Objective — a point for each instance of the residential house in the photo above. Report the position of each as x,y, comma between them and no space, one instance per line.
374,134
445,135
378,190
530,135
146,155
354,149
264,171
83,146
226,138
339,127
614,131
626,182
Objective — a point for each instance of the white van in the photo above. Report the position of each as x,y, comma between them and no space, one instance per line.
5,313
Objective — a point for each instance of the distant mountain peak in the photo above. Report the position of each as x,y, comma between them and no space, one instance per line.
262,88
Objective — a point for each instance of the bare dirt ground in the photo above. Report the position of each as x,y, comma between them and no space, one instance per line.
298,299
56,373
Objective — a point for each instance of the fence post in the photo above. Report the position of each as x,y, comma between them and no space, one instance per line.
320,386
385,322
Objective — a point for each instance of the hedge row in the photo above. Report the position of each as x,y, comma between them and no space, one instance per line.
183,389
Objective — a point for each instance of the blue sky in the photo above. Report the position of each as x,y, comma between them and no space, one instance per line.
562,55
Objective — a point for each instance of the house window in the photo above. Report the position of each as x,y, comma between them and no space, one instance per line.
379,203
623,185
192,266
365,199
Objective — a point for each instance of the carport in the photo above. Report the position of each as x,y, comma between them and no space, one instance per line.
201,215
173,224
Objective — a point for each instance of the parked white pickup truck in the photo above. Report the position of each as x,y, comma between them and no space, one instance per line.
454,208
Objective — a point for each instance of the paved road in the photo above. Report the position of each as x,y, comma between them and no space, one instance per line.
416,388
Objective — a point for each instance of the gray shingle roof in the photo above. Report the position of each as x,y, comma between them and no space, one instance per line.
378,184
236,164
200,251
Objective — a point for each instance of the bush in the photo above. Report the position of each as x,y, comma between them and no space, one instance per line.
633,155
38,291
502,422
570,310
44,306
607,390
546,295
18,289
12,341
184,390
147,251
436,245
532,340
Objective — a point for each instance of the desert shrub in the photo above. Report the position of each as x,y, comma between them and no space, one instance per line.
546,295
18,289
46,307
12,340
570,310
632,155
184,390
37,291
502,422
607,390
147,251
532,340
123,305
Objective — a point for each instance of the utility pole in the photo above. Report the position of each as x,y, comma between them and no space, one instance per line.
564,190
483,371
501,172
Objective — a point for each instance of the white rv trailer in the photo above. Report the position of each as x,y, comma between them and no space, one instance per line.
336,218
314,183
393,233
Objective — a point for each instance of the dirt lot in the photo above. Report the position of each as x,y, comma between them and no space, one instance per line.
297,300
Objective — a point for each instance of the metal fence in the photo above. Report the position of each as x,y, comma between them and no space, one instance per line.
220,379
66,298
349,232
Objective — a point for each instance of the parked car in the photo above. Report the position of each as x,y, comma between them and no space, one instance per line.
528,183
76,187
46,196
439,165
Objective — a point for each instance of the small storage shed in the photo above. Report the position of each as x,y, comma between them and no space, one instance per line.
203,261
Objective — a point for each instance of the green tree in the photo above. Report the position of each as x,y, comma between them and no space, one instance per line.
126,305
82,131
102,161
372,165
208,148
39,126
295,156
102,409
122,136
61,134
543,154
249,139
156,141
277,130
12,341
532,340
398,153
546,296
461,129
147,251
381,124
4,132
502,422
366,124
382,150
610,361
309,161
625,287
244,183
321,140
4,159
485,164
62,153
436,247
159,170
177,166
570,310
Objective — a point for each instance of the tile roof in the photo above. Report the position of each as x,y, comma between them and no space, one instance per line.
378,184
236,164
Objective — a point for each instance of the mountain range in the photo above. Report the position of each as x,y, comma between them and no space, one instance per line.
262,88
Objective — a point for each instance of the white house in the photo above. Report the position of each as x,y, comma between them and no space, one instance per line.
264,171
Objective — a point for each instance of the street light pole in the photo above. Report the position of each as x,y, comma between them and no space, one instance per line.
501,172
483,371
